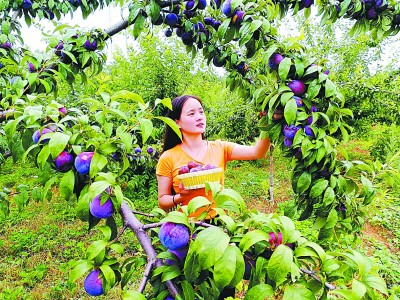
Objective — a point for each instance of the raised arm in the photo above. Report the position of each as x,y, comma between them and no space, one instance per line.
259,150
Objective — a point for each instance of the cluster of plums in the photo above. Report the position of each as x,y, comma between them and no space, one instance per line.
193,166
200,31
371,9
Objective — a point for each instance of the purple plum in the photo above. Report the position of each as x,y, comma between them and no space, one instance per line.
171,19
38,133
299,101
287,142
227,9
62,110
26,4
82,162
93,283
290,131
91,46
308,131
274,61
298,87
101,211
64,161
173,236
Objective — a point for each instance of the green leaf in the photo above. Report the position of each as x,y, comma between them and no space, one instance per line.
318,188
97,164
260,292
108,274
146,127
132,295
376,283
279,264
229,199
304,182
128,96
171,123
21,200
81,268
97,188
252,237
197,202
43,156
225,267
297,291
187,289
138,25
284,67
290,111
67,185
358,288
329,196
176,217
212,243
95,249
126,138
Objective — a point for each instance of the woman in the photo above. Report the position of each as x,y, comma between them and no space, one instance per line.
188,113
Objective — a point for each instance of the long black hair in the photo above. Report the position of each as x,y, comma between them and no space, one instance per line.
171,139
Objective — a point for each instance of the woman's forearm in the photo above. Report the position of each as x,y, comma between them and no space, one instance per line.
166,202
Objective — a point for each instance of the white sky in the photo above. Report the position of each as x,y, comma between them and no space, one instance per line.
100,19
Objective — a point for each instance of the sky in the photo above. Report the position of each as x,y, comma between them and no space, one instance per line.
101,19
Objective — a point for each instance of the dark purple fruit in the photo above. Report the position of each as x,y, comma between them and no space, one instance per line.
290,131
298,87
274,61
308,131
173,236
371,14
171,19
64,161
226,8
93,283
168,32
91,46
26,4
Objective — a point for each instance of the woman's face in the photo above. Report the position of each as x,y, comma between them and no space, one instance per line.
192,119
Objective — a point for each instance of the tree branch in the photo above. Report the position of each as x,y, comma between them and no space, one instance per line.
137,227
271,174
312,274
6,114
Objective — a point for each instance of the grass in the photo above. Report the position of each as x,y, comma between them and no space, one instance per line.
39,244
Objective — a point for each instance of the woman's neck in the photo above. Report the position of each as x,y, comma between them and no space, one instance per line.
193,142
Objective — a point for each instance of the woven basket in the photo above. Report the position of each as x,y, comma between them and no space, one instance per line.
197,180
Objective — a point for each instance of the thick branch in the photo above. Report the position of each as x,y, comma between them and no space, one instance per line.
137,227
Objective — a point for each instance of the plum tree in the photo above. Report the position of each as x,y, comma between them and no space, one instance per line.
234,34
